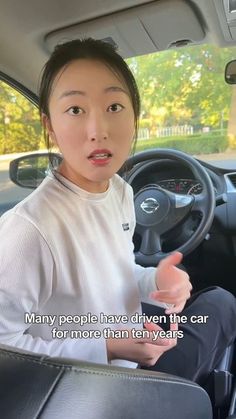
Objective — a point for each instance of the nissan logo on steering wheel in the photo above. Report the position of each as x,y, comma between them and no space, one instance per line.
150,205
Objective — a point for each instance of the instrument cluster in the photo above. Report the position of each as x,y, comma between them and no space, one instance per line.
181,186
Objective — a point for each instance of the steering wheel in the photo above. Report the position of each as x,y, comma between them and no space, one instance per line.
158,211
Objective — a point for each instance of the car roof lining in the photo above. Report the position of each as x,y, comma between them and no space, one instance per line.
139,30
136,26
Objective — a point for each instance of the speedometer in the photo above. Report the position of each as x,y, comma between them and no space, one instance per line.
195,189
181,186
169,185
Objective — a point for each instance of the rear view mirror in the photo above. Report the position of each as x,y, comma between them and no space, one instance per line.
30,170
230,72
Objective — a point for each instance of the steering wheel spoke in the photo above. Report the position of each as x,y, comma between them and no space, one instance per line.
199,202
151,242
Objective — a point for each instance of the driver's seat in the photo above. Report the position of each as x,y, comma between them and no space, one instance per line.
34,386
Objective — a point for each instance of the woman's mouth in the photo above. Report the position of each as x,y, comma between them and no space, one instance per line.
100,156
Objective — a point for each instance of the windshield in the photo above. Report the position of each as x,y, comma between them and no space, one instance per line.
186,104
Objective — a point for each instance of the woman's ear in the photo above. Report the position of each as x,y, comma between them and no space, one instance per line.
48,127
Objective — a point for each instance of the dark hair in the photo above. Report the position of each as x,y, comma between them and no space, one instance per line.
88,48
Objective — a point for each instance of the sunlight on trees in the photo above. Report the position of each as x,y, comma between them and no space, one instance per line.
20,128
179,87
185,86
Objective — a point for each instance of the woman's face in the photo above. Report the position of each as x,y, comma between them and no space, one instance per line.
91,121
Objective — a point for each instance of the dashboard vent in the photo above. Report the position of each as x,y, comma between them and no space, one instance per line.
232,178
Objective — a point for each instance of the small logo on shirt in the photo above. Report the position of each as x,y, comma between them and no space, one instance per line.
125,226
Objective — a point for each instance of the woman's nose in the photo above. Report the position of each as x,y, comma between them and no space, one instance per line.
97,128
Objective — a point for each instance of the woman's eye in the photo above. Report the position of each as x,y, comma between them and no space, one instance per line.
74,110
115,107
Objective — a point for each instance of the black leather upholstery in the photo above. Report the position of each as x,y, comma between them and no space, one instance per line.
226,361
34,386
221,379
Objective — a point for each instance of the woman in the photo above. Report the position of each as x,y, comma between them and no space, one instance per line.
71,239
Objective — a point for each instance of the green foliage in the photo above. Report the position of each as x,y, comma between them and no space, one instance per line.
145,123
19,137
20,128
184,86
194,144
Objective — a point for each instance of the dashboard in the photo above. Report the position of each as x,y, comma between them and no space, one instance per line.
174,177
177,178
181,186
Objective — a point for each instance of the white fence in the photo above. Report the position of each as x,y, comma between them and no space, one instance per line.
175,130
144,133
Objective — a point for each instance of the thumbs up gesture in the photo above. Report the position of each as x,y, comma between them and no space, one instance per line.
173,284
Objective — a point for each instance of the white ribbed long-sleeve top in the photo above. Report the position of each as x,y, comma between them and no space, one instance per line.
65,251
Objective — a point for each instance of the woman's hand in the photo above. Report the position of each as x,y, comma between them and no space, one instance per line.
173,284
145,351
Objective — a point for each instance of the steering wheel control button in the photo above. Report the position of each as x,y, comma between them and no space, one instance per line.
150,205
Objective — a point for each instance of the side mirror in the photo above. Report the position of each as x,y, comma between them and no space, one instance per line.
230,72
30,170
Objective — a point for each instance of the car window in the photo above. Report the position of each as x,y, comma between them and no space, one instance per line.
186,103
20,133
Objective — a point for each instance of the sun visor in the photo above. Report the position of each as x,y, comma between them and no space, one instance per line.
230,13
154,26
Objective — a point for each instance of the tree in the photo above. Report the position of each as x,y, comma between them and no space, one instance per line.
184,86
20,128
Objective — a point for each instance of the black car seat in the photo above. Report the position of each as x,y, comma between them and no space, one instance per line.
34,386
222,385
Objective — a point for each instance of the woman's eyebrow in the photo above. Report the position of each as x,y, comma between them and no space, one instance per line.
115,89
72,93
82,93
